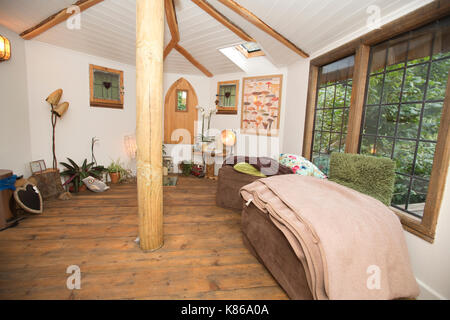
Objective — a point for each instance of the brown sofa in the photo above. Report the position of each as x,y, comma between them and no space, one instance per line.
229,183
269,245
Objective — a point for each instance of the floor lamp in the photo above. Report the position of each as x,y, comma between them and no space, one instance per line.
57,111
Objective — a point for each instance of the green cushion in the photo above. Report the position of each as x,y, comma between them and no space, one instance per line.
247,168
370,175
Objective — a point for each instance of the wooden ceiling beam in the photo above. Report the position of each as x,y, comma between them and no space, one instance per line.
172,22
169,48
250,17
191,59
56,19
209,9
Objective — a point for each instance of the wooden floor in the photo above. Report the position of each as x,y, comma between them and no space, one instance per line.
202,258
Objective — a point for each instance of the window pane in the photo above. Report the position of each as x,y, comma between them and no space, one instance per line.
318,122
316,141
404,155
431,121
371,120
345,120
418,196
374,90
322,162
388,119
401,187
424,159
327,115
392,86
324,142
337,119
384,147
438,80
367,145
342,149
329,99
339,101
321,98
348,95
414,88
408,124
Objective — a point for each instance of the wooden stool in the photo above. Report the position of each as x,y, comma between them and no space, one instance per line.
5,201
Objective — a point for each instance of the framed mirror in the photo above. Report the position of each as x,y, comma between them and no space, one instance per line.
106,87
227,97
182,101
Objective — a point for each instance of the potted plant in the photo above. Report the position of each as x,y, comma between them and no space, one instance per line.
77,173
114,171
186,167
117,172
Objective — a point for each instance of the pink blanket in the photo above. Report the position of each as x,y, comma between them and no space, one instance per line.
353,245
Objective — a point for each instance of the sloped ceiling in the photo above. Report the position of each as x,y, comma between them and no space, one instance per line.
108,28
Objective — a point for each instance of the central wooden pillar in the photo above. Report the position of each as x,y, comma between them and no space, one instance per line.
149,121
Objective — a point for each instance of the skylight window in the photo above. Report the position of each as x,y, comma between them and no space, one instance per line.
250,49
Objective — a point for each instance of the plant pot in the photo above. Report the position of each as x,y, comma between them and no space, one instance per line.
82,188
115,177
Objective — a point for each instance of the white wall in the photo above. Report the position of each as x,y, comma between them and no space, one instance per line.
49,68
15,151
296,94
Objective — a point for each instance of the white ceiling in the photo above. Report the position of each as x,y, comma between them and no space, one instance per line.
108,28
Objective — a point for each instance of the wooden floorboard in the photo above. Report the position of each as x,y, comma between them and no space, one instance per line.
203,256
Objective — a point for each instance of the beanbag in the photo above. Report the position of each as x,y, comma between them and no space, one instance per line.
301,166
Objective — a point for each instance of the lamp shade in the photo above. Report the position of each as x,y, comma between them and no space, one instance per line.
228,138
130,146
5,49
54,97
61,108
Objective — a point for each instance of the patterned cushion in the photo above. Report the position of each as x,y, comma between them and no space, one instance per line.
301,165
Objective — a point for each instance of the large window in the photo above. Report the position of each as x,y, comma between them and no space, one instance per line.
331,112
404,98
394,98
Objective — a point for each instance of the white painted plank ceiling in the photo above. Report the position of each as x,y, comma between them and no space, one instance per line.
108,29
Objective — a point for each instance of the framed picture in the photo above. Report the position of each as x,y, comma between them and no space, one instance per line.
37,166
227,97
106,87
261,105
182,101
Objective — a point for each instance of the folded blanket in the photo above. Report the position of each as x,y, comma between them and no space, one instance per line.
265,165
353,245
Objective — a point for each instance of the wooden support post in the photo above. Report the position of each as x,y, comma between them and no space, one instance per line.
149,111
357,99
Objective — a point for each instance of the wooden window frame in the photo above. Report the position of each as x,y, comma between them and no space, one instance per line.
94,102
360,47
249,55
228,110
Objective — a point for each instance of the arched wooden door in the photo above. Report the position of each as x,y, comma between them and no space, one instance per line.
176,117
